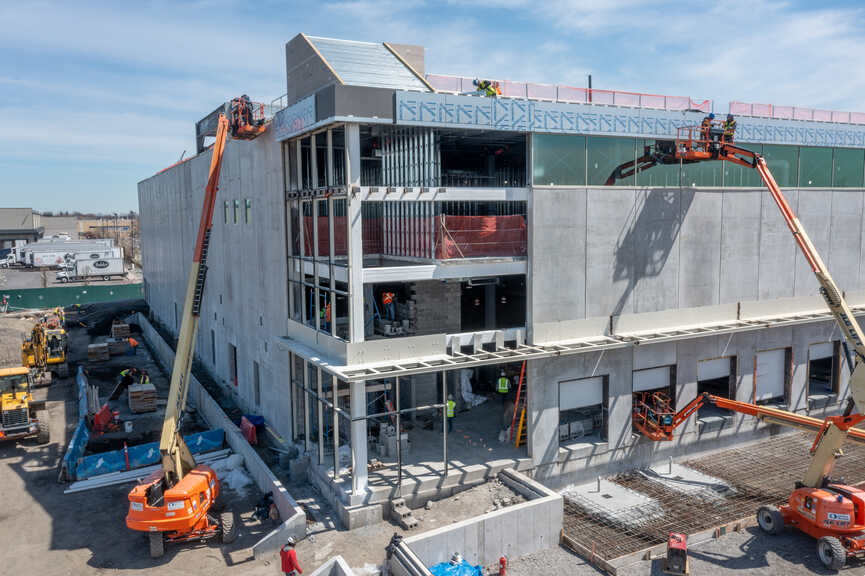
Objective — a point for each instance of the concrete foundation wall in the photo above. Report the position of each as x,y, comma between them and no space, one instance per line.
562,464
512,532
245,299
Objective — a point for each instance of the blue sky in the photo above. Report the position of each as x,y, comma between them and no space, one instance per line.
99,95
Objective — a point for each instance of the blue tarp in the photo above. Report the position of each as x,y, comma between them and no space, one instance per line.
448,569
76,447
142,455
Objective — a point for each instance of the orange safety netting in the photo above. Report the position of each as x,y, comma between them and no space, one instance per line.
476,236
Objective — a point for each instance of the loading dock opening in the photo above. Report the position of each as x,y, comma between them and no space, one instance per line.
824,363
772,375
717,377
583,410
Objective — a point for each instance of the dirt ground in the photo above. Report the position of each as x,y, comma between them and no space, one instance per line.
52,533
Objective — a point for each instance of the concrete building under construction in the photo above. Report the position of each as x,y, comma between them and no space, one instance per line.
396,237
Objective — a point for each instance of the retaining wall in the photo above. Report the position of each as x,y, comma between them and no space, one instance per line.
511,532
294,518
336,566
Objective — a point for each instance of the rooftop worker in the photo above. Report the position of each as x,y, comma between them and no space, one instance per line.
503,386
133,347
705,125
450,408
487,88
389,307
729,128
290,566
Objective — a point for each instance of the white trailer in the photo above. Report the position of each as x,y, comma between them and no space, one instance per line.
80,270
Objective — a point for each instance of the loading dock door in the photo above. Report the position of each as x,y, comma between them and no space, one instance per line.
651,379
713,369
581,393
769,375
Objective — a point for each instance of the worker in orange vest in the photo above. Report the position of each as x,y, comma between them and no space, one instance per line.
389,307
133,346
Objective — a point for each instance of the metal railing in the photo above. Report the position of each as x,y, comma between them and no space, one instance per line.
570,94
795,113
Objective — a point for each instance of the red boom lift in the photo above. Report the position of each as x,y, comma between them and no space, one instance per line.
829,511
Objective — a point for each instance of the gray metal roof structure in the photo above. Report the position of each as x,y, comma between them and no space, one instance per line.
366,64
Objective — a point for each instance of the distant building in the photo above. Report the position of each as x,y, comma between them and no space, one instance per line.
19,224
106,227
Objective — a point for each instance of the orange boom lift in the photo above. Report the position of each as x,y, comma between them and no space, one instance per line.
827,510
175,504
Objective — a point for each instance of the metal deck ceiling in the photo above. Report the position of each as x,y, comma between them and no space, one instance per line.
366,64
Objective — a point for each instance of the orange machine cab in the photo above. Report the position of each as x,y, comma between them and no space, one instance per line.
179,512
834,510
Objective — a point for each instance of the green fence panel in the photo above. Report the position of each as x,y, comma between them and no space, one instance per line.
68,295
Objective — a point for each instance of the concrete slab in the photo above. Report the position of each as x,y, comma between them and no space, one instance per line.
614,503
687,481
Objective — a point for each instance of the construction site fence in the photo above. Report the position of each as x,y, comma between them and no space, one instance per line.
795,113
570,94
50,297
441,237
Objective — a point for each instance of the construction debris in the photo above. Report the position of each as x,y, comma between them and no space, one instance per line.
402,514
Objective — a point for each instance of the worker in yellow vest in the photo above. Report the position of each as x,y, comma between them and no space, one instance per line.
503,386
450,408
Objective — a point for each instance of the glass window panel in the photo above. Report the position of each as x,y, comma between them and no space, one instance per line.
340,243
849,167
660,175
815,167
605,155
783,162
323,231
559,160
702,174
295,227
307,229
248,213
736,176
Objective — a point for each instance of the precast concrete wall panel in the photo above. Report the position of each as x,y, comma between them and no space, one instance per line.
656,236
740,247
700,249
815,214
610,266
777,250
845,237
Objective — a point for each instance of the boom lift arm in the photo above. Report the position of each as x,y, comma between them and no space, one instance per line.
177,460
697,144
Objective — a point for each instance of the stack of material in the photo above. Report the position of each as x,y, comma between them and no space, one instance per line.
119,330
117,346
98,352
142,398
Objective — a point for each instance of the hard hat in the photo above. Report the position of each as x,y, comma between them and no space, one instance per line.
729,116
290,541
503,372
712,115
456,559
450,396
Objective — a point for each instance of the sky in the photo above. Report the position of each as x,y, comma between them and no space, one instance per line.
97,96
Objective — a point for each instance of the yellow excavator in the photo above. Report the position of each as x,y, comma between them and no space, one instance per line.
45,349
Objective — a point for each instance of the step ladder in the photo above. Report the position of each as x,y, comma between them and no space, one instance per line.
402,514
520,405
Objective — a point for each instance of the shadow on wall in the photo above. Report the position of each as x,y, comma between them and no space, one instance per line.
644,246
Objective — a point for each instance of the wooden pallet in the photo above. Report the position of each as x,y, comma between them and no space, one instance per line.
142,398
98,352
117,346
120,330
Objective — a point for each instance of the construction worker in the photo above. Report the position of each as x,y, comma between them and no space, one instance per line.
503,386
705,126
450,409
133,347
389,307
127,376
290,565
145,377
487,88
729,128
